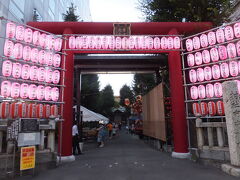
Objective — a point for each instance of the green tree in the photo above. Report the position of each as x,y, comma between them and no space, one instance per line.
215,11
143,83
70,14
90,92
107,101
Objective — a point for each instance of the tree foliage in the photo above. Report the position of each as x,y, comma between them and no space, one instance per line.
215,11
143,83
70,14
107,101
90,92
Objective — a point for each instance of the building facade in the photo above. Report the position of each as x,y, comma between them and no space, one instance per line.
42,10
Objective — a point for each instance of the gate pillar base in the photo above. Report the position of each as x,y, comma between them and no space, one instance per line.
181,155
65,159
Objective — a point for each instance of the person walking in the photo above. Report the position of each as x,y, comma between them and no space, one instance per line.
101,135
110,127
75,139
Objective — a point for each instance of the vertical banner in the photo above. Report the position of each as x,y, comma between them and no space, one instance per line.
27,159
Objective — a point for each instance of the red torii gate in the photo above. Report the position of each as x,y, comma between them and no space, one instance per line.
144,28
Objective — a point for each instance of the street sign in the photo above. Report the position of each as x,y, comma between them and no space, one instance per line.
27,160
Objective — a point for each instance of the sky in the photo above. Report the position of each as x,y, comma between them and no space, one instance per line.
115,11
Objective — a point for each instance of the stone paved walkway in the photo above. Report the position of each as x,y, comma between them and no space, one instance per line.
128,158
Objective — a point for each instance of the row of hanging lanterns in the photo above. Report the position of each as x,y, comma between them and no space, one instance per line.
26,72
215,54
28,35
208,73
211,108
27,110
132,42
43,57
211,38
29,91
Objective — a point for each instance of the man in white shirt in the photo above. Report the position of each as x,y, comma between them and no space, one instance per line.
75,139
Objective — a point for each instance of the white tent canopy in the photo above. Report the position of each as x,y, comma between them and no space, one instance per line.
90,116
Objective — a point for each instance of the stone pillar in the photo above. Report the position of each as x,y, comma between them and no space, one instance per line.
231,101
199,129
51,140
210,136
41,146
1,140
220,137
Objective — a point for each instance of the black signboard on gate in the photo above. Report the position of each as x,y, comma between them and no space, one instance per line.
29,125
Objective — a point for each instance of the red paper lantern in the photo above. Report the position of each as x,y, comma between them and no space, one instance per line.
224,70
40,92
233,68
56,60
25,71
10,30
201,92
105,42
32,110
28,35
17,70
22,110
6,88
137,42
194,92
220,36
24,91
196,42
150,43
14,110
18,51
190,60
215,71
189,45
193,76
48,75
209,91
4,110
41,74
214,54
220,108
196,109
39,111
126,101
85,42
47,95
204,108
49,58
98,43
41,56
72,42
7,68
15,90
118,42
204,40
36,37
55,94
8,48
231,50
49,42
222,51
34,73
111,41
132,42
206,56
54,110
200,74
198,58
20,31
228,30
34,55
32,91
236,28
212,108
218,89
211,38
27,53
176,42
164,43
125,43
207,73
46,111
